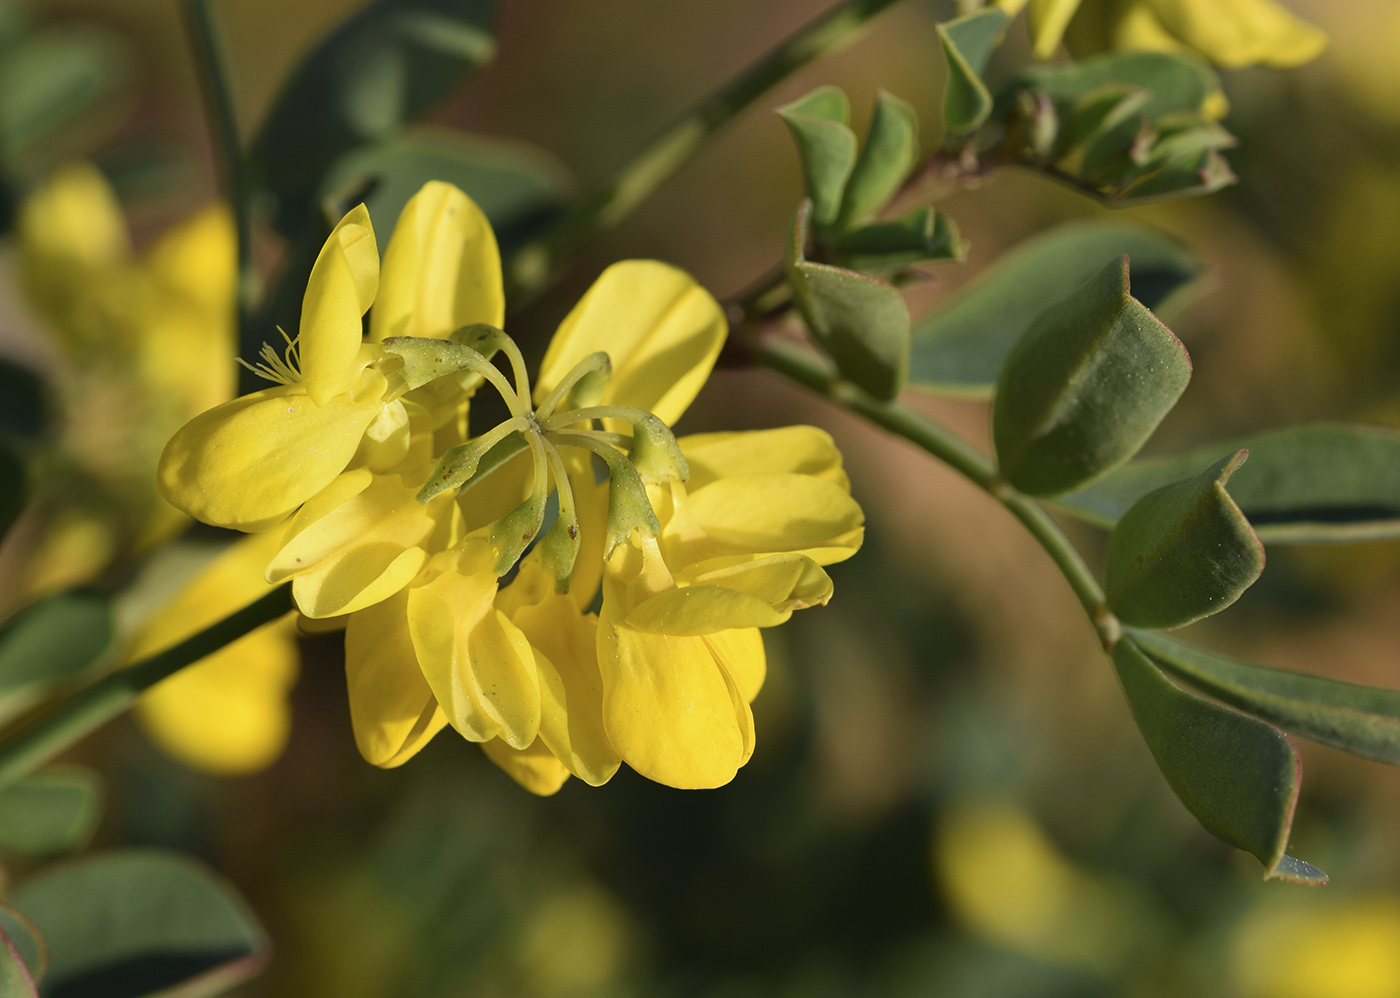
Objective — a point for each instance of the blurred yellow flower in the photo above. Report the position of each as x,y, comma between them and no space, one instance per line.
1229,33
1323,948
228,713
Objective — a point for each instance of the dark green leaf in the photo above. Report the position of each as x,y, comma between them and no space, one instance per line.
13,486
923,234
890,152
968,42
1307,484
51,812
1236,774
1362,720
859,321
383,67
26,941
1176,82
515,184
1202,173
827,147
51,77
1085,387
960,349
21,401
1182,552
141,922
54,639
1100,110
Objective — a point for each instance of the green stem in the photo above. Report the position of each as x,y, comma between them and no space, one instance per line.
218,94
533,266
807,368
87,710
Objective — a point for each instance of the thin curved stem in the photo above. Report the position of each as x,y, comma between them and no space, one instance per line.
807,368
88,709
534,266
626,413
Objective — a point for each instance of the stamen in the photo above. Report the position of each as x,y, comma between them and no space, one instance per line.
284,370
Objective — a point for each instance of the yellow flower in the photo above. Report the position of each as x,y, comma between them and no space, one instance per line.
407,526
228,713
1229,33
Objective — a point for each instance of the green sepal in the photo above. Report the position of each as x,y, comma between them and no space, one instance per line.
1238,775
559,550
51,812
891,149
512,534
923,234
860,322
1182,552
459,464
118,914
55,639
818,123
1085,387
960,349
1362,720
629,506
967,43
1326,482
498,455
425,359
654,452
592,375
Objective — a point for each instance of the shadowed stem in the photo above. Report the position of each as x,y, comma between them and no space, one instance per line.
808,369
218,95
534,266
88,709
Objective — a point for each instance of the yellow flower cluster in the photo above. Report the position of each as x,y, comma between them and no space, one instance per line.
1229,33
392,519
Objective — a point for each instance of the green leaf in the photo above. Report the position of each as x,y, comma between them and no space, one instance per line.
1085,387
26,942
1176,82
923,234
1306,484
1182,552
960,349
1201,173
51,77
21,401
13,487
861,323
890,152
1362,720
51,812
516,184
141,922
968,42
54,639
1099,111
827,147
381,68
1236,774
15,979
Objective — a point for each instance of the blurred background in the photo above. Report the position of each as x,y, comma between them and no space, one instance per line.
948,795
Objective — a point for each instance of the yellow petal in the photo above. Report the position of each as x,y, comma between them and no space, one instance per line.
1242,32
72,220
699,610
479,665
340,290
534,768
359,552
250,462
571,687
228,713
783,581
392,709
199,259
660,328
669,708
741,653
1049,18
442,269
770,514
802,450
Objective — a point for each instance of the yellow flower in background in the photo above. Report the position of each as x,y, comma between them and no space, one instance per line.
1319,948
405,526
227,714
1230,33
